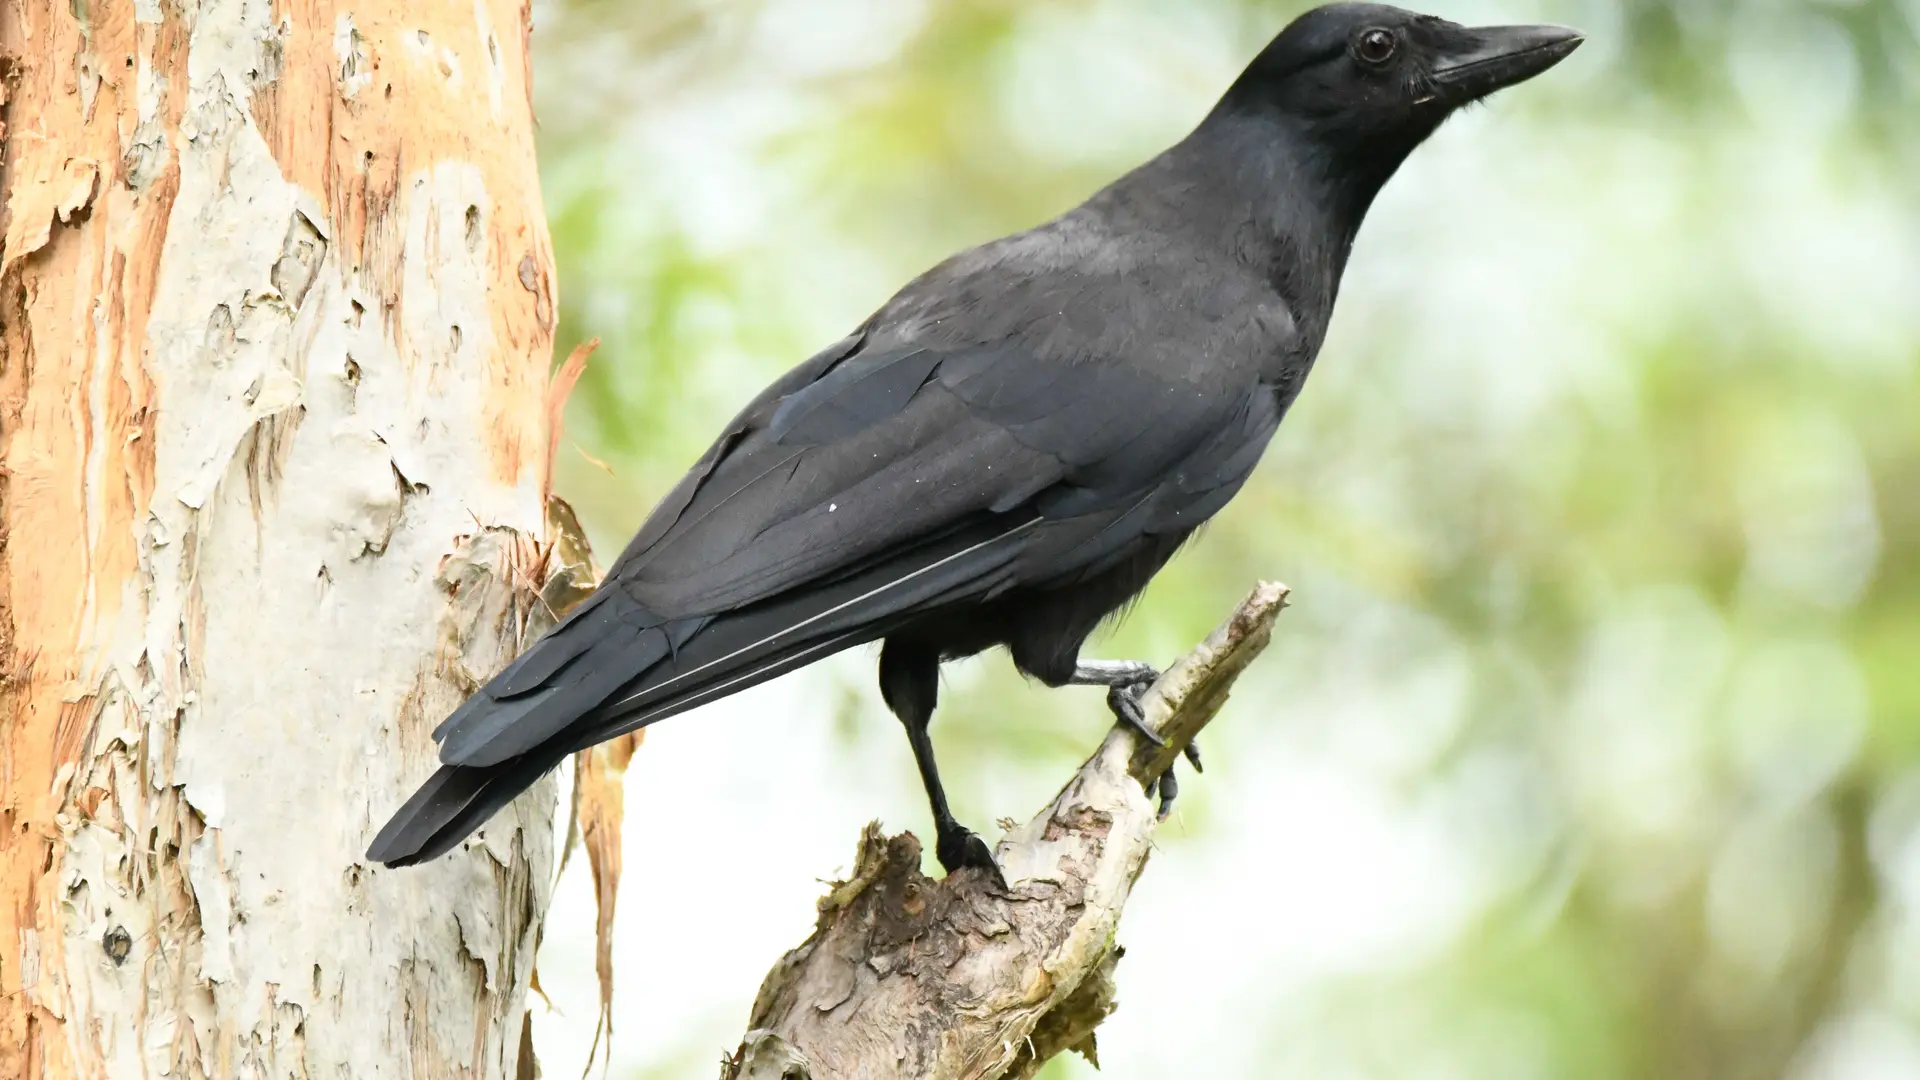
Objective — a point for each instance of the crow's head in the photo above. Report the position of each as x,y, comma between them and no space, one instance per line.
1377,80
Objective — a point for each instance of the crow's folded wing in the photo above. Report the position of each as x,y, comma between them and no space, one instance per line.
864,489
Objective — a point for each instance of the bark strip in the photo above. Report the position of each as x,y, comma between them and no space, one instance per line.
957,979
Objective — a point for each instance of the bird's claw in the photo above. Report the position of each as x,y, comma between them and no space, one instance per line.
1125,703
1167,785
1127,682
958,847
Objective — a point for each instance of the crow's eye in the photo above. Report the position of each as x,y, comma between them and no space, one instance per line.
1375,46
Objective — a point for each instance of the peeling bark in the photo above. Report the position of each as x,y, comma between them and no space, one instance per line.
959,979
276,308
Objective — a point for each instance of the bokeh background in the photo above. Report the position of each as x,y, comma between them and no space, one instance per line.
1591,746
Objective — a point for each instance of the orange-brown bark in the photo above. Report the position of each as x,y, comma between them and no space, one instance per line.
74,292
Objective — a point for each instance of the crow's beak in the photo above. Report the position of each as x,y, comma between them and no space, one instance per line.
1495,57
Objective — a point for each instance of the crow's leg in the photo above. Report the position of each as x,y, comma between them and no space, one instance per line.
1127,682
1114,673
910,683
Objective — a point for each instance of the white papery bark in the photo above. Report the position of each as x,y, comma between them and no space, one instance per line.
276,306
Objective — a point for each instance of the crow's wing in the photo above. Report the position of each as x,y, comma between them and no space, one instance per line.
863,489
888,483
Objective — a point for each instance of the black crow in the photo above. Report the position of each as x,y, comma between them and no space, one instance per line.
1012,446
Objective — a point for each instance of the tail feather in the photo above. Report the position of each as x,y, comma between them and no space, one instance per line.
612,722
554,652
454,802
489,729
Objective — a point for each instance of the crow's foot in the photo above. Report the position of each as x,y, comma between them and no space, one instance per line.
1127,682
1125,703
1167,787
959,847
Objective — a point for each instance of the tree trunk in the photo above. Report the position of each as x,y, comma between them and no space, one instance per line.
276,308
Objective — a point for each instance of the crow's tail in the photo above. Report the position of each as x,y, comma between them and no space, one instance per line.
454,802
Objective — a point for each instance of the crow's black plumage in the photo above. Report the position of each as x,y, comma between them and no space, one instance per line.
1007,451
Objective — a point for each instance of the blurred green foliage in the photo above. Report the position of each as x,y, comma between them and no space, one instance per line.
1602,510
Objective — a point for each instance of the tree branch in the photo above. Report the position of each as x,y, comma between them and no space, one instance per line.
957,979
